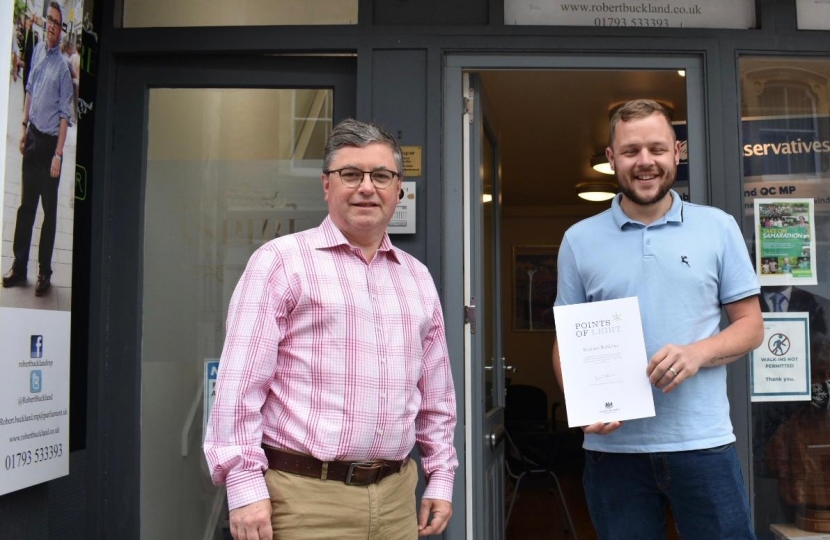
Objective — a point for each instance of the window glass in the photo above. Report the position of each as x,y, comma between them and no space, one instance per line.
227,170
785,110
163,13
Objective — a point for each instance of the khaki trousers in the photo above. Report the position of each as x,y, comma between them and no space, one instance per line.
306,508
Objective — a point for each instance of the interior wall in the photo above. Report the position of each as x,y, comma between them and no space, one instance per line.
530,352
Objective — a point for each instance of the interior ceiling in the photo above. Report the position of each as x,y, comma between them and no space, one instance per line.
549,124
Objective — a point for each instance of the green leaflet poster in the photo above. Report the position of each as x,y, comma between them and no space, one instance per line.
785,233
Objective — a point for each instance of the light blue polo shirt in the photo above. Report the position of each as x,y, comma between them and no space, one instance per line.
682,268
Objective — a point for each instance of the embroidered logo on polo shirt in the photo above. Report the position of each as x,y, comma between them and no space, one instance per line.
685,260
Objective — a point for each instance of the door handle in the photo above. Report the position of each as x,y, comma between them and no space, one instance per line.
496,436
505,367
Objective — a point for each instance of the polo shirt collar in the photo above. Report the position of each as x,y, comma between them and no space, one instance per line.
675,213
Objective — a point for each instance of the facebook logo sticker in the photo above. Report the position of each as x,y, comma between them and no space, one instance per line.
35,381
37,347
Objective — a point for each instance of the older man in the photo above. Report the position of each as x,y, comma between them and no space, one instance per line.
335,365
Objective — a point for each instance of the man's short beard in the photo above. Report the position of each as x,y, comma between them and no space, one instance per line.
636,199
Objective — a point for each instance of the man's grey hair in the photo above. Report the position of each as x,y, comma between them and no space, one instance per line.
356,134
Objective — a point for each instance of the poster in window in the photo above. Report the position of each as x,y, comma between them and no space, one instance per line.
41,106
786,246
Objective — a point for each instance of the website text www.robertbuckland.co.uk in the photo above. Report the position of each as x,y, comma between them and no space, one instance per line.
634,8
638,14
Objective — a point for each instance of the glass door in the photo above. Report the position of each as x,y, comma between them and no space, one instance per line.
226,158
482,290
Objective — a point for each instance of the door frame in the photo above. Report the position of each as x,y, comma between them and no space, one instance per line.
115,434
702,190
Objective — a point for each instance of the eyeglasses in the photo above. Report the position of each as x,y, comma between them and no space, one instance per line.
352,177
55,22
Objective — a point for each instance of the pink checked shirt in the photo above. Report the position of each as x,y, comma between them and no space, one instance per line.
333,357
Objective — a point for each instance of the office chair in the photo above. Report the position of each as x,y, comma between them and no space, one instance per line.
532,447
526,408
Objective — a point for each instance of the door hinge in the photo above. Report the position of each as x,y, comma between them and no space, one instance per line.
470,315
468,105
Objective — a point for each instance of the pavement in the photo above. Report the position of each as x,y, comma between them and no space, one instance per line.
59,297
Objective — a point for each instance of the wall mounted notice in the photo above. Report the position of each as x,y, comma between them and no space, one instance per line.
34,397
403,221
813,14
780,367
39,120
412,161
632,13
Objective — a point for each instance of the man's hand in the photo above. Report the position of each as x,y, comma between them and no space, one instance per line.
602,428
55,169
441,512
252,522
22,144
672,365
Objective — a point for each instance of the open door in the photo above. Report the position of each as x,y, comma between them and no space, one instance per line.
482,335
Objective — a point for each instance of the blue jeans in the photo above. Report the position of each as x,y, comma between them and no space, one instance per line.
627,494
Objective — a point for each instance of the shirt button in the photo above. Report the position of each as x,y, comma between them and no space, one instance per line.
648,242
383,395
380,432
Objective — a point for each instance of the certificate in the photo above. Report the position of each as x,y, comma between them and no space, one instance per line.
603,359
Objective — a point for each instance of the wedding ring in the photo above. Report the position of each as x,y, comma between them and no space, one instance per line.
673,372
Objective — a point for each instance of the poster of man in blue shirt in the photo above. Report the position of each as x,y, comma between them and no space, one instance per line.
47,116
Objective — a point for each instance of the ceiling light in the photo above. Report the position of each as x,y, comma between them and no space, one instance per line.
596,191
600,164
485,198
681,72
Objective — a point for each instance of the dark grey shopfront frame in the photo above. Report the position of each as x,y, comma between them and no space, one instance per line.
418,50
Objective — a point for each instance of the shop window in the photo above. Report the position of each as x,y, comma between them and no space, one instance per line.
163,13
311,126
785,106
221,180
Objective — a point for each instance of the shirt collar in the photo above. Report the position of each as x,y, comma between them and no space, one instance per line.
787,292
330,236
674,214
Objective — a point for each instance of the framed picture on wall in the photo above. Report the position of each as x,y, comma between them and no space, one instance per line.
534,288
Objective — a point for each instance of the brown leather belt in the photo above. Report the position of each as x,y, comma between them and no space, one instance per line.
352,473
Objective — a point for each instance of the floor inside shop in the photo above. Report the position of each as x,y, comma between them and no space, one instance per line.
538,515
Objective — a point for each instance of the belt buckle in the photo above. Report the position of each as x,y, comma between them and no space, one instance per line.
371,465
